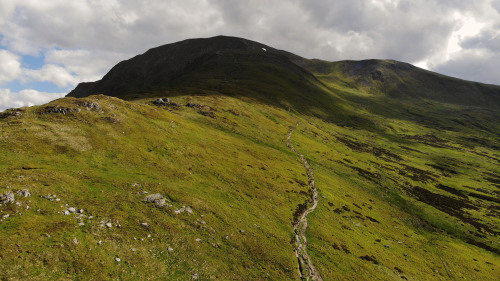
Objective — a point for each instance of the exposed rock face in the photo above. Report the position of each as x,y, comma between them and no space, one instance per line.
13,112
88,105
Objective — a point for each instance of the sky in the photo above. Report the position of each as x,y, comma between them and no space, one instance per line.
48,46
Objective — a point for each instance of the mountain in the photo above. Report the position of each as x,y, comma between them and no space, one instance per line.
226,159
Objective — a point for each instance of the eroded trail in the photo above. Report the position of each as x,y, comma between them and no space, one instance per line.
307,270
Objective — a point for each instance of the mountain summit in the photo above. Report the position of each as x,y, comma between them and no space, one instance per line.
184,63
214,62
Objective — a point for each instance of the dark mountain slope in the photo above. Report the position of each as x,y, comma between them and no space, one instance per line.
222,65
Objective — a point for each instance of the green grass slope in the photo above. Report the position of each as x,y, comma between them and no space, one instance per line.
381,214
408,179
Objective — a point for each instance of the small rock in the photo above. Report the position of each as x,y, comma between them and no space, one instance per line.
81,224
178,211
79,211
99,243
145,224
72,210
189,210
132,249
226,237
198,240
195,276
7,197
170,249
152,197
149,235
66,212
242,231
75,241
117,259
202,222
108,225
24,192
387,246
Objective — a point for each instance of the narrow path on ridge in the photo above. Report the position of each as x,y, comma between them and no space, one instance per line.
307,270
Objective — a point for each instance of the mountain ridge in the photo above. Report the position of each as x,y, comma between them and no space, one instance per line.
167,66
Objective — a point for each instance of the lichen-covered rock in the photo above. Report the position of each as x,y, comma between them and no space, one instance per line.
59,110
90,105
156,198
24,192
7,197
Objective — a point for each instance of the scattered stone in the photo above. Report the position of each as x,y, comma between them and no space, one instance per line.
66,212
242,231
99,242
189,210
165,102
72,210
11,112
198,240
226,237
7,197
149,235
387,246
132,249
202,222
24,192
181,210
170,249
90,105
81,224
75,241
47,235
145,224
59,110
156,198
50,197
117,259
79,211
195,276
108,225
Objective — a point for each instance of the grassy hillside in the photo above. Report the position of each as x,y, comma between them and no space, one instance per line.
399,204
203,185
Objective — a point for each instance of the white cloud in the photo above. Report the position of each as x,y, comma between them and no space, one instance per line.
82,39
51,73
10,66
9,99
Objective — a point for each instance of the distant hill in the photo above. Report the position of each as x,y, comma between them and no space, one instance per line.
211,62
